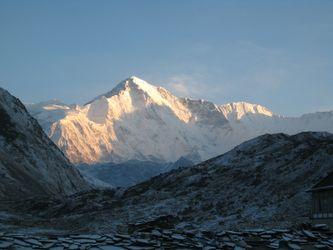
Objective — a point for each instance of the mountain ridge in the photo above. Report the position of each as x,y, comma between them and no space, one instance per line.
137,120
30,163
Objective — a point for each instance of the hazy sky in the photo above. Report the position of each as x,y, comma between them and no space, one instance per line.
275,53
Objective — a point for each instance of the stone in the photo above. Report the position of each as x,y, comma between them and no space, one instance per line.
168,232
294,246
110,247
114,238
65,245
24,248
102,239
6,238
242,243
309,234
48,245
123,236
73,247
33,242
21,243
178,237
328,242
239,248
140,242
280,230
86,236
300,241
234,233
57,248
65,240
255,230
274,245
265,236
139,248
5,244
320,246
321,227
209,248
84,241
221,234
268,232
286,238
229,244
156,233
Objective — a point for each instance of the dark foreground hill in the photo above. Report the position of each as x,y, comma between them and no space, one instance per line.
261,182
31,165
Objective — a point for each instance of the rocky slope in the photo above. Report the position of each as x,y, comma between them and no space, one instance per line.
30,163
260,183
139,121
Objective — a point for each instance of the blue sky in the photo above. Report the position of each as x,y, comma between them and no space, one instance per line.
275,53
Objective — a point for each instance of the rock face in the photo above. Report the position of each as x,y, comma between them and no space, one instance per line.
30,163
139,121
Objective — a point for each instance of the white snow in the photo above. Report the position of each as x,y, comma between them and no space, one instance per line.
137,120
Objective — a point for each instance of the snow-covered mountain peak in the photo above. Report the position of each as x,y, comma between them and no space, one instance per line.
237,110
137,120
136,95
132,82
135,87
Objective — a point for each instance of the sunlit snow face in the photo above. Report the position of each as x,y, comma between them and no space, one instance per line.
137,120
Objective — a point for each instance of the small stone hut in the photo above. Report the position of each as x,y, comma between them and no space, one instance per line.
322,201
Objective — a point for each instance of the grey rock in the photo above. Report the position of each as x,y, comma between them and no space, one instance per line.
109,247
274,245
34,242
57,248
49,245
178,237
308,234
85,241
321,227
239,248
123,236
156,233
230,244
320,246
294,246
5,244
86,236
21,243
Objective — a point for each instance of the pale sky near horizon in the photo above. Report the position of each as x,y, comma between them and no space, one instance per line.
275,53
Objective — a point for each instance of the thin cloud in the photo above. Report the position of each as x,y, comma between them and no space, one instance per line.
196,86
185,85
